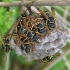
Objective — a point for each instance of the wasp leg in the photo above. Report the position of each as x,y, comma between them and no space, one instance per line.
26,24
53,12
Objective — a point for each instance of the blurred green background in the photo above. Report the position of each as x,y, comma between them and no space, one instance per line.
11,61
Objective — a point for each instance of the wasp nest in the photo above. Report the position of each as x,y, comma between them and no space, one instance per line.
36,36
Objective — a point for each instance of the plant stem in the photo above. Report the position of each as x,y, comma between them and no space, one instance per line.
7,61
36,3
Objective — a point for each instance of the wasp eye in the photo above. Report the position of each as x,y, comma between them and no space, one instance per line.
23,15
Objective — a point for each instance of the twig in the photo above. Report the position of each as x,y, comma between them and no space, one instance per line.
36,3
7,61
10,3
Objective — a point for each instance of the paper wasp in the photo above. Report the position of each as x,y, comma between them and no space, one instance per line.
7,37
27,47
48,58
50,18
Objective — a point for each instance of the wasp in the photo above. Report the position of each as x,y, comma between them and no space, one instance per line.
49,18
48,58
11,32
6,44
6,39
27,47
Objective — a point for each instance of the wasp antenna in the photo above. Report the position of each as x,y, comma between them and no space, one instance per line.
43,14
12,28
29,9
